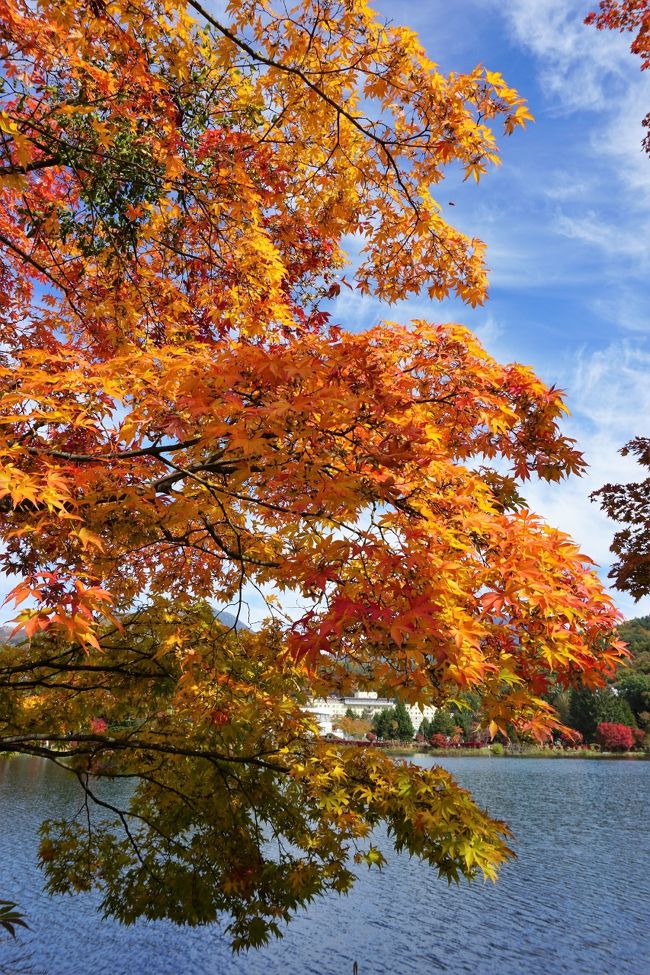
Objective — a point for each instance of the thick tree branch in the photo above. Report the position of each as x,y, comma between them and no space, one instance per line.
103,743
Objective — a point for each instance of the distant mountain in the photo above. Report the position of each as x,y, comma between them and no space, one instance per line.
231,621
228,619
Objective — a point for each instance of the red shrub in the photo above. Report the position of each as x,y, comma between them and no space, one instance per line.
438,741
615,737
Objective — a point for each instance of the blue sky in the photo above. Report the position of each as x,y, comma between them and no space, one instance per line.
565,221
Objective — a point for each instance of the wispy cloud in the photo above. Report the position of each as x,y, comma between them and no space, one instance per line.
563,223
619,241
563,186
581,69
579,66
609,394
624,307
620,140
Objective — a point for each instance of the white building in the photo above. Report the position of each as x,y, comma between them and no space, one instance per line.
362,704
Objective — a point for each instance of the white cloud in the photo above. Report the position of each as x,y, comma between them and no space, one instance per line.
563,186
620,139
624,307
617,240
609,394
579,65
584,69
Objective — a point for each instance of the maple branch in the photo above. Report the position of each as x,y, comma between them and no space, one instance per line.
23,255
124,455
15,170
29,259
83,782
23,742
354,120
69,667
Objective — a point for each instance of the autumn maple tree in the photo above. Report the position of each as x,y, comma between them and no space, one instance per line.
184,421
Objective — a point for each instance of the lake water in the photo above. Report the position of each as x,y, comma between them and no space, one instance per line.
576,901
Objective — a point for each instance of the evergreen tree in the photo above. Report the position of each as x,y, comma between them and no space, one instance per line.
425,728
466,720
589,708
382,723
405,730
443,722
634,687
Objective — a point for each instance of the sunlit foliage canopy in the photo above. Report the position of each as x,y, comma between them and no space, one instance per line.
182,421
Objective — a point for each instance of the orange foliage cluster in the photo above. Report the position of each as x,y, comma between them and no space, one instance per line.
180,416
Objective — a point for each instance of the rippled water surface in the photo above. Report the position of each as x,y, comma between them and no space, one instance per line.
576,901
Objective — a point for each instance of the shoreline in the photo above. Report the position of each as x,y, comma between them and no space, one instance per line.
406,751
487,753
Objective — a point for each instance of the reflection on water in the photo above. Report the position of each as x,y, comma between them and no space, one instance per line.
574,903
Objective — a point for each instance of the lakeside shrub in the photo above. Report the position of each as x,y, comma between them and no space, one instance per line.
615,737
438,740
